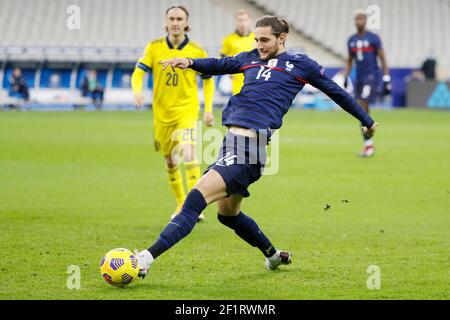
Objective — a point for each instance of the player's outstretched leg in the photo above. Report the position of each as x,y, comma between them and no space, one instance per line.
209,188
246,228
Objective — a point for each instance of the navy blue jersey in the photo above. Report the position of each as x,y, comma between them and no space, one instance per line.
271,86
364,50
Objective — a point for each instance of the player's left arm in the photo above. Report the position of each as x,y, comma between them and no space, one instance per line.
317,79
384,64
386,76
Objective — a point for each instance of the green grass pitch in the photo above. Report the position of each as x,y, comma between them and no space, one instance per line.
74,185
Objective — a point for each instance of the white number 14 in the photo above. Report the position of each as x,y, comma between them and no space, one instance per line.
263,73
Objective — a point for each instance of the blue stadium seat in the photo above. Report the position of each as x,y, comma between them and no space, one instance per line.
55,78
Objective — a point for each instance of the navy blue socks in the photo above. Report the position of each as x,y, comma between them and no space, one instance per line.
181,225
246,228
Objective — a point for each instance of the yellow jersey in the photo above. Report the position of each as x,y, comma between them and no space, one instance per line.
233,44
175,93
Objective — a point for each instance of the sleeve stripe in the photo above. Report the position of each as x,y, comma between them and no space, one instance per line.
142,66
301,80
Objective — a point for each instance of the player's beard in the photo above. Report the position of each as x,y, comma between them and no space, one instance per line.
272,53
361,28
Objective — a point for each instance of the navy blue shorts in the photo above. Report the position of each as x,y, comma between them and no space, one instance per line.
366,87
240,162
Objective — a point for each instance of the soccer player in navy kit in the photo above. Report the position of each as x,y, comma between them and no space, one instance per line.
273,77
365,47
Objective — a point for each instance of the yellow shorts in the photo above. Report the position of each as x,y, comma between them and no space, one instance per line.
168,137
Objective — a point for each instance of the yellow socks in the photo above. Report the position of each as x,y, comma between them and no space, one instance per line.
192,173
176,184
176,181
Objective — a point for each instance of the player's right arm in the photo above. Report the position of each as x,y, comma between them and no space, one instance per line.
318,80
348,66
212,66
136,84
142,66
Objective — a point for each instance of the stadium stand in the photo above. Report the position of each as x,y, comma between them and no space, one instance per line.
36,36
39,37
410,29
113,29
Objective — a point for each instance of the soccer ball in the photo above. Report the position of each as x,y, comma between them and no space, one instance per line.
119,267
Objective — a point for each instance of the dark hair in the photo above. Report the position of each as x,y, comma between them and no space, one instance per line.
279,25
185,10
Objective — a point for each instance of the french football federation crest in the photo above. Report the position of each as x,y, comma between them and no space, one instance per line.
272,63
289,66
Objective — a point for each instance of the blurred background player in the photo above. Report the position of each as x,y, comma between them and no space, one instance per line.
428,67
242,39
364,48
91,87
175,100
18,85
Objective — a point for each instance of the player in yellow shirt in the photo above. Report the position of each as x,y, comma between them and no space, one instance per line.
175,100
242,39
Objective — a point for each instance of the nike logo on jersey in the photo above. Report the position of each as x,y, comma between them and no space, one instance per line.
253,62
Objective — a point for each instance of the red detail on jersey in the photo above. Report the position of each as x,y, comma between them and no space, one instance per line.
250,66
276,68
273,68
301,80
366,49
